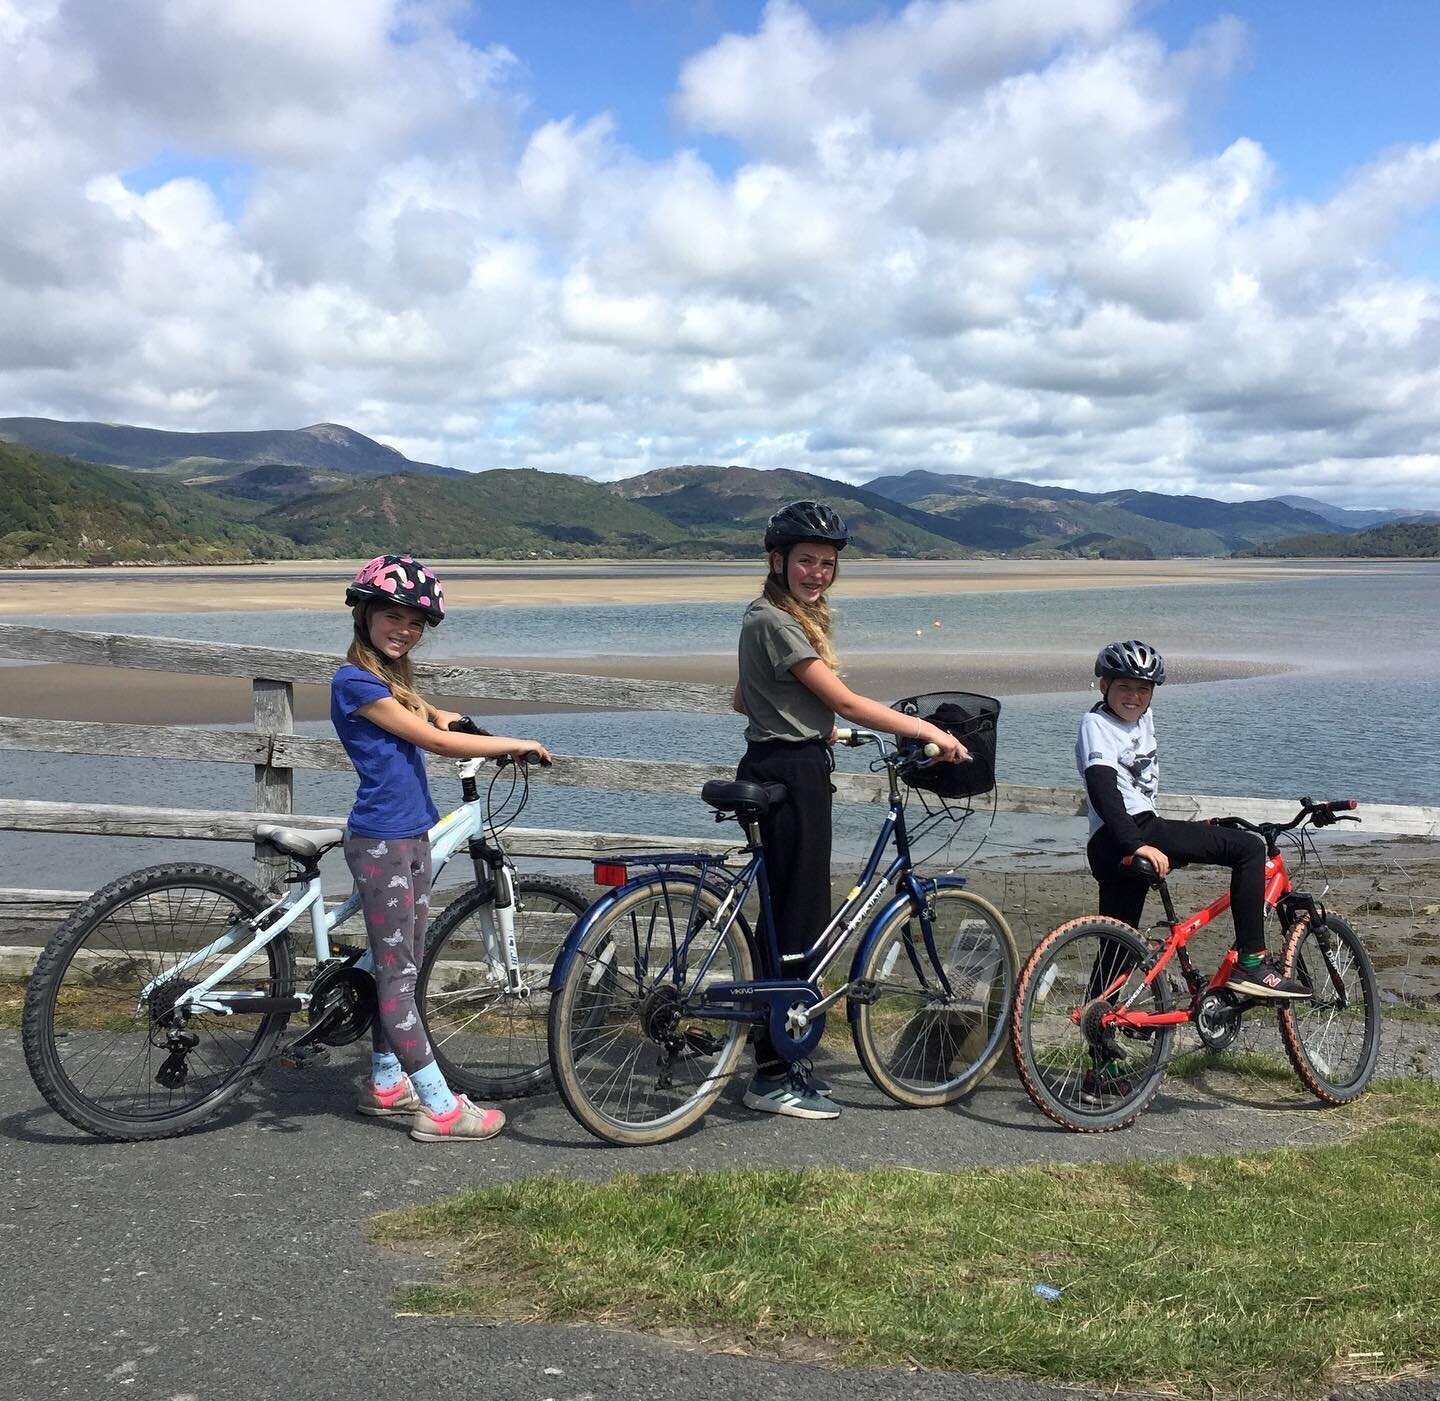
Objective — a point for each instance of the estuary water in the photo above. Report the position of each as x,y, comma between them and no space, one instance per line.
1357,715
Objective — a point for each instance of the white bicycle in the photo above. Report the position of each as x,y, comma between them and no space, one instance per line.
169,989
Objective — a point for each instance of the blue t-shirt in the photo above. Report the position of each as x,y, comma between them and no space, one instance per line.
393,799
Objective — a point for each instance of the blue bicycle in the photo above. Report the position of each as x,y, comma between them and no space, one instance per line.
655,992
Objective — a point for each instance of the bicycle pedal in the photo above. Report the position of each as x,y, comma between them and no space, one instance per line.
304,1057
865,991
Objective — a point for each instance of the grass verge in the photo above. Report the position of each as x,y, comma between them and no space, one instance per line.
1279,1272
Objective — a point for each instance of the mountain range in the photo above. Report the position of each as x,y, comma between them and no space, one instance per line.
77,492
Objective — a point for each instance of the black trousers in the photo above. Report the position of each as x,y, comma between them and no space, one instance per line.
796,837
1186,844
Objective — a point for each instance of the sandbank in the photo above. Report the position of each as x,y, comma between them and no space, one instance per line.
60,691
470,584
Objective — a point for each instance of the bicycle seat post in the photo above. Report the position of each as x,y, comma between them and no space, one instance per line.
1142,869
1163,886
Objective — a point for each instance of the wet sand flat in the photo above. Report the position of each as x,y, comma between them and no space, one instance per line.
60,691
468,584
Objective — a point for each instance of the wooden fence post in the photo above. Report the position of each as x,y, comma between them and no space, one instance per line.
274,785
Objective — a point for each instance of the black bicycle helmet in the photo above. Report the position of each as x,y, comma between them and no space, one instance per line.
1133,661
399,579
805,520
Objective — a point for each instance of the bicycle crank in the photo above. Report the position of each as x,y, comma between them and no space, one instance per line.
1217,1020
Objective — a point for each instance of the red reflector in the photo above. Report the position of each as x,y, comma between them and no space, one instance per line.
609,873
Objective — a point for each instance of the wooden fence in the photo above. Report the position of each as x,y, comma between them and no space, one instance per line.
274,751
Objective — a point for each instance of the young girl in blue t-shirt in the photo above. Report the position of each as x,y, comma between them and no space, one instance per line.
384,723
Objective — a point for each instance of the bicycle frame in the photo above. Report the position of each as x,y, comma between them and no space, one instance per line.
1277,887
462,827
738,1001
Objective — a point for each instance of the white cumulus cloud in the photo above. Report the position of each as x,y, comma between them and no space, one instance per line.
969,234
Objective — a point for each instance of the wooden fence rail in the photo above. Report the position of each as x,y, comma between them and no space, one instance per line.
274,751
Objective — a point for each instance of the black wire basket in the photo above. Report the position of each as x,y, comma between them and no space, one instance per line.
972,720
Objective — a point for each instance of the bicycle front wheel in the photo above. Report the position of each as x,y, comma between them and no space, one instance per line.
919,1043
489,1038
1333,1038
105,1041
1086,1076
632,1064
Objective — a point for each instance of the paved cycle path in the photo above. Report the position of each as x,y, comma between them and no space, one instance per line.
234,1262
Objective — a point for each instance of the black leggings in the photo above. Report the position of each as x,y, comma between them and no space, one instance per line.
1186,844
796,836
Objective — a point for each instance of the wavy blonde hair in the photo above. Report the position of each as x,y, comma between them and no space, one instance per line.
815,619
398,675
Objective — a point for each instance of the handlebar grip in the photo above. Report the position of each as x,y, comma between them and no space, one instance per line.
506,759
845,736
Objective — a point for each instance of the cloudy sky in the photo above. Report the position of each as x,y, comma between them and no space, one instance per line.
1090,242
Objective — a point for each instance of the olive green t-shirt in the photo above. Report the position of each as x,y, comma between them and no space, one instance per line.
777,706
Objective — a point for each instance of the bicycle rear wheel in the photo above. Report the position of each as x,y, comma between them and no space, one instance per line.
489,1040
1333,1039
104,1040
629,1061
1085,1076
921,1045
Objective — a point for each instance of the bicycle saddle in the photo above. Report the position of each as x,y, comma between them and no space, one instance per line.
1141,867
740,796
293,842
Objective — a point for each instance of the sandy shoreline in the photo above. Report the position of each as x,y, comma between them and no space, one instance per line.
60,691
468,584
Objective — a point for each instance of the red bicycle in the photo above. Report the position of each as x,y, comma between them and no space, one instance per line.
1095,1012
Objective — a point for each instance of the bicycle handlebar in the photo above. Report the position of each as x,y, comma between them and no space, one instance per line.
853,737
465,725
1319,814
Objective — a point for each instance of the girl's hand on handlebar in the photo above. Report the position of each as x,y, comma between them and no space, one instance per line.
528,749
951,751
444,719
1156,858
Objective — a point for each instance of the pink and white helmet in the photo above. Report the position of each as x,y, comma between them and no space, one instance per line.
399,579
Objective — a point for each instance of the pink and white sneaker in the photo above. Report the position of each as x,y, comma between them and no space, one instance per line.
465,1123
388,1104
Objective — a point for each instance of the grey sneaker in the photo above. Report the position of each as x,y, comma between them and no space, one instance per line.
790,1094
388,1104
1266,982
464,1124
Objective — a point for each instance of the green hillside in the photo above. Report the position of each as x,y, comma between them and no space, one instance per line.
56,510
204,457
992,513
327,490
724,509
1381,542
499,514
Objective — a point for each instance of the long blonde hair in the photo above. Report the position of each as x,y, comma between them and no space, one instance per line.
814,618
398,675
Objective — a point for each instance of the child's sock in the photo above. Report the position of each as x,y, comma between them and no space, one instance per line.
385,1070
1251,960
430,1085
